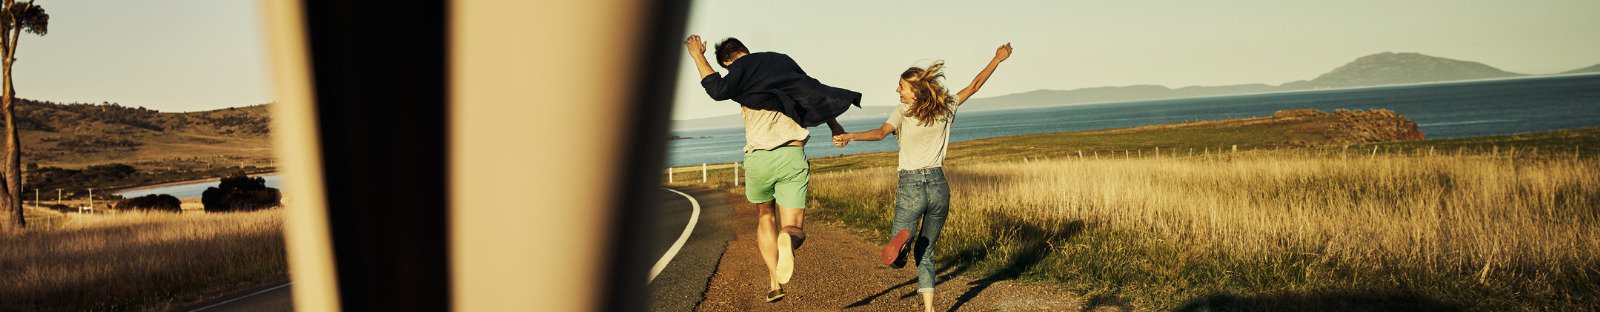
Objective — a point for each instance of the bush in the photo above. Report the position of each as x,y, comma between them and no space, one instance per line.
152,202
61,208
239,192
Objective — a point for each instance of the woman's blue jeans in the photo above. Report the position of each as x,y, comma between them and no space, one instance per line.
921,204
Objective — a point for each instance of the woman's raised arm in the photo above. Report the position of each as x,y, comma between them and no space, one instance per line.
999,55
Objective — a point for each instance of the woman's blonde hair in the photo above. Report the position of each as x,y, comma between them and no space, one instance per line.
932,101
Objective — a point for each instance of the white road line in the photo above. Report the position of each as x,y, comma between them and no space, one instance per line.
671,252
242,297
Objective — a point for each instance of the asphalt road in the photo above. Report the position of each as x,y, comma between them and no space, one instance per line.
682,283
679,286
270,298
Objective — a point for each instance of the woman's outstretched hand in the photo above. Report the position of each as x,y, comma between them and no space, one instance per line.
841,140
999,54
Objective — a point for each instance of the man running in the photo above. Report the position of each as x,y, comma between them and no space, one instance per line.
778,101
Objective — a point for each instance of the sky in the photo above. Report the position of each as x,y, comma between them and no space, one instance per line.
167,55
864,45
188,55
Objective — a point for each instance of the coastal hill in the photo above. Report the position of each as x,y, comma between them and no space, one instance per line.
1590,69
78,135
1380,69
1387,68
1390,68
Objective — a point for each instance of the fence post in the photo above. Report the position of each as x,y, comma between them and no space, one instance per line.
669,175
1374,154
703,172
735,174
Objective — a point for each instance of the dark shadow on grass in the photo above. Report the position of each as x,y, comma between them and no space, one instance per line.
1329,301
1035,238
1097,301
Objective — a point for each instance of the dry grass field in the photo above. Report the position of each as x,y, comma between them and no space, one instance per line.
1478,231
1490,223
136,261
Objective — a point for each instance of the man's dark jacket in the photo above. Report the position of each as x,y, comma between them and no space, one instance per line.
772,81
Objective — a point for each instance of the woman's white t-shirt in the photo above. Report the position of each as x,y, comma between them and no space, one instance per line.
922,145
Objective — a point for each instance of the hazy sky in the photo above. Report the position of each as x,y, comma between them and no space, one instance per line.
168,55
864,45
184,55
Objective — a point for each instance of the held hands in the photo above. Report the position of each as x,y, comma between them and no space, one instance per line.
840,140
695,45
999,54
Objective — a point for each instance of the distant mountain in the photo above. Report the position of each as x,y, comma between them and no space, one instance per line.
1590,69
1387,68
1380,69
707,122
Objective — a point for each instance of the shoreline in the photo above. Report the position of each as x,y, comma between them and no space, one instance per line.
116,190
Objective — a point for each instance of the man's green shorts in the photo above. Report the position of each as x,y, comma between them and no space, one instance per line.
780,173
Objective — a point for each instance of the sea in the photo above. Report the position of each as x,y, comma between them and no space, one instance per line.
1441,110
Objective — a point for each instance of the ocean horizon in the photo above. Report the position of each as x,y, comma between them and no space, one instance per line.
1441,110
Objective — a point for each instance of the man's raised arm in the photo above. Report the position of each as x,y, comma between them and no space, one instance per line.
697,50
717,87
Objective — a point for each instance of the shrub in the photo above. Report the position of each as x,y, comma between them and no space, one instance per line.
239,192
152,202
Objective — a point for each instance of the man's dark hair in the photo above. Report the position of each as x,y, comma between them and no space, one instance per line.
727,48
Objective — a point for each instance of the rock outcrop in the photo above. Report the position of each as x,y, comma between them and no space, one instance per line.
1354,126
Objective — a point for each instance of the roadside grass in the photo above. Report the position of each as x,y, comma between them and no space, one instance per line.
137,261
1271,229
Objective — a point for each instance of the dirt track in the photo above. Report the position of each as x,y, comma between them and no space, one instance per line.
838,269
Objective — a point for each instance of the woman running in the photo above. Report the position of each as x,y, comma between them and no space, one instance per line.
922,199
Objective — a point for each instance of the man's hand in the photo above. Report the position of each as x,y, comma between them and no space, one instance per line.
695,45
840,140
999,54
697,51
